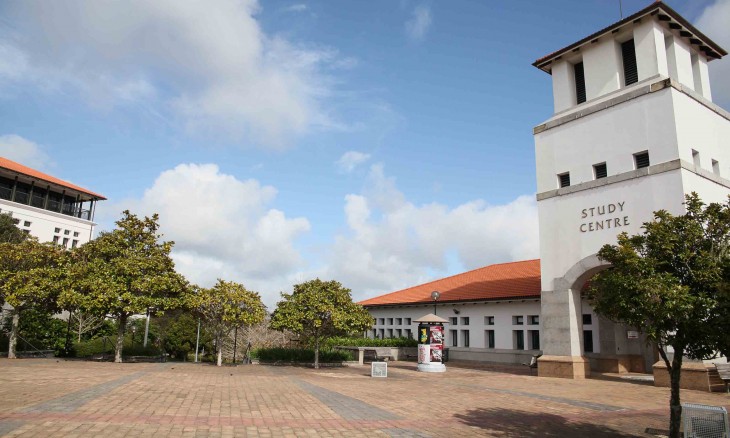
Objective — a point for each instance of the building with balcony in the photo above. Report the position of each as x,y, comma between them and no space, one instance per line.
51,209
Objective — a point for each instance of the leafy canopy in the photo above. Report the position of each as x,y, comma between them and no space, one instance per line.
9,232
319,309
227,305
125,271
671,281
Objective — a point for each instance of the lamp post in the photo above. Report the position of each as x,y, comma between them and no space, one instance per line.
435,296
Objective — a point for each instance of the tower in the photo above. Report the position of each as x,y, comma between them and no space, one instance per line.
634,130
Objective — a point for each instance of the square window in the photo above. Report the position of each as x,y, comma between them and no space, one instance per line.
76,234
66,232
26,223
409,333
399,321
390,333
454,320
518,320
390,321
56,230
488,320
398,333
600,171
533,319
408,321
564,179
464,320
641,160
587,319
381,321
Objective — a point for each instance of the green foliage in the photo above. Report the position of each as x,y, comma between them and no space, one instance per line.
93,347
37,330
671,281
369,342
9,232
225,306
178,332
124,272
299,355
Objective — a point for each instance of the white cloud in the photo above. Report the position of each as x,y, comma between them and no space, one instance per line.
419,23
24,151
207,65
392,243
714,22
224,227
350,160
298,7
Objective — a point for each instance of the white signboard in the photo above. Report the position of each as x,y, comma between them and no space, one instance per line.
632,334
379,369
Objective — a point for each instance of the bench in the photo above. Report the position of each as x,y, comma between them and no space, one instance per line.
382,354
723,370
533,362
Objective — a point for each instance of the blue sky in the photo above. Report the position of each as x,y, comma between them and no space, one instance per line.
380,143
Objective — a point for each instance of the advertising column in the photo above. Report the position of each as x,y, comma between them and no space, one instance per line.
431,347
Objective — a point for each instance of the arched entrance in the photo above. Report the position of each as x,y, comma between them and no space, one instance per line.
577,341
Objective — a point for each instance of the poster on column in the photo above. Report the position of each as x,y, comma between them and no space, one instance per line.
437,353
423,334
437,335
424,355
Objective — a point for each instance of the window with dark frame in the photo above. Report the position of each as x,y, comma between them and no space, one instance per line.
518,320
533,319
587,319
490,338
454,337
464,320
628,53
465,338
588,341
600,170
488,320
564,179
580,83
454,320
519,339
641,159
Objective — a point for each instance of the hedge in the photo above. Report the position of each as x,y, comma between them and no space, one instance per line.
368,342
299,355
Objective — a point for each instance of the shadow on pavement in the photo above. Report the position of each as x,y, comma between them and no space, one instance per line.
514,423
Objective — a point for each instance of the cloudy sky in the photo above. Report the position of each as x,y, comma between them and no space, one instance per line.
380,143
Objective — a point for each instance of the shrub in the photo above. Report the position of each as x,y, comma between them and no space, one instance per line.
93,347
299,355
368,342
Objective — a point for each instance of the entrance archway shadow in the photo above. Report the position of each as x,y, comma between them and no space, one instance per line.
515,423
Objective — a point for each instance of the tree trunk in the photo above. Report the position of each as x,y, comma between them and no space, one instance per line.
675,407
316,354
120,338
219,354
13,341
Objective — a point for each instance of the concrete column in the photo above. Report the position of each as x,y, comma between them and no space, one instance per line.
651,55
704,77
561,329
563,86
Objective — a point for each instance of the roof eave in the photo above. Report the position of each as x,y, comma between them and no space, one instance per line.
469,300
717,52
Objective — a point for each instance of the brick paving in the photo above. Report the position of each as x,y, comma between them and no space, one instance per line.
42,397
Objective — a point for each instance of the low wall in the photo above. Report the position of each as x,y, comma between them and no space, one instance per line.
695,375
628,363
491,355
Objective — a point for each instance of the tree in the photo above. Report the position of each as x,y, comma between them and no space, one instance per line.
320,309
671,282
124,272
84,322
32,275
225,306
9,232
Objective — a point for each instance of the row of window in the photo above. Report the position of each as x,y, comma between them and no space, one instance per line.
631,73
393,321
461,338
57,241
464,320
600,170
65,232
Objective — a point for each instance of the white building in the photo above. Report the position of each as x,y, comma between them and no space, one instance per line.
634,130
493,312
48,208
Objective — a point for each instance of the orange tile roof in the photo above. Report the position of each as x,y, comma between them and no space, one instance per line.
513,280
25,170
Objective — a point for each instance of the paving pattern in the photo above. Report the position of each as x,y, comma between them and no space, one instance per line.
41,397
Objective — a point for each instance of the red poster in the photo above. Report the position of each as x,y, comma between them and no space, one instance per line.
437,335
437,353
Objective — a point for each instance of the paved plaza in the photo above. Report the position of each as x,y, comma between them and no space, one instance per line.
49,397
